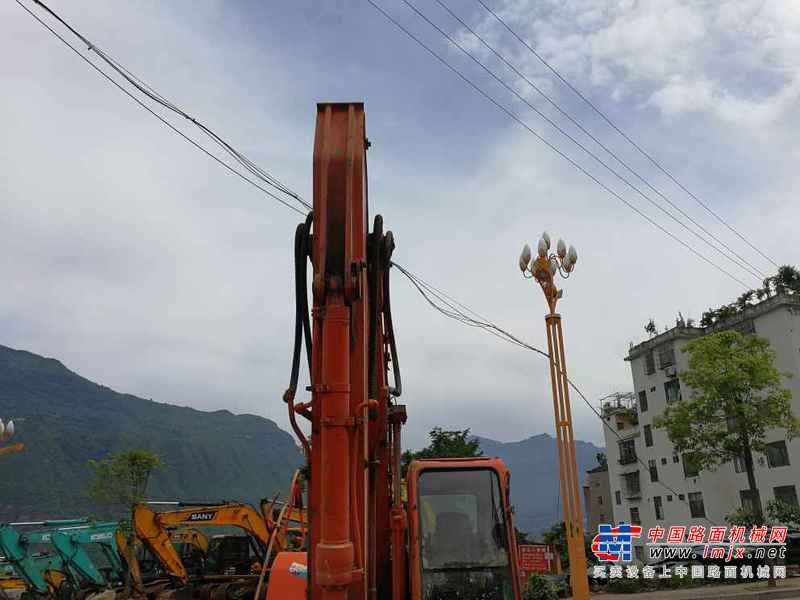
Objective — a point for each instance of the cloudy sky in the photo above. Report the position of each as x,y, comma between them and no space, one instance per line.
141,264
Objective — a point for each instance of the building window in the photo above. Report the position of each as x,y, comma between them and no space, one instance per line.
669,497
696,507
672,389
631,485
648,435
643,401
666,356
750,500
663,461
681,497
786,494
738,464
649,363
600,500
777,455
690,466
618,497
635,515
627,452
658,506
675,457
651,465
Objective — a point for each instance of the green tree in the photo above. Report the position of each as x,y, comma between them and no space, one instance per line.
556,537
737,396
119,482
446,444
602,460
121,479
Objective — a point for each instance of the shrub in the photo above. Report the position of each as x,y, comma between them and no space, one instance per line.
625,585
538,588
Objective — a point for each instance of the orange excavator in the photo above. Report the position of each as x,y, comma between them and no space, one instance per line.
453,537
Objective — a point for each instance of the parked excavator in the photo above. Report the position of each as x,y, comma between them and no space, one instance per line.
454,536
10,582
44,573
72,545
268,530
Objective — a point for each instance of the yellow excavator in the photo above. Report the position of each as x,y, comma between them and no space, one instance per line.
277,526
184,537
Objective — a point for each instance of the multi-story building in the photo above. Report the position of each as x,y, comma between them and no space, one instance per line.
597,498
651,484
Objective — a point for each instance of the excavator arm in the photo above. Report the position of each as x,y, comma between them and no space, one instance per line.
155,529
191,536
128,552
365,541
71,543
156,537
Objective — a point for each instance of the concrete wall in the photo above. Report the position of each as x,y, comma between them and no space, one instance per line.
597,499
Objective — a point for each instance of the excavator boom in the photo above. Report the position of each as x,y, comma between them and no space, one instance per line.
365,542
71,544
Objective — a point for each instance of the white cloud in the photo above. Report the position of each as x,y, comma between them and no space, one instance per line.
735,60
144,266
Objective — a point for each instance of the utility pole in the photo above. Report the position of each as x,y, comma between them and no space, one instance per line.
543,269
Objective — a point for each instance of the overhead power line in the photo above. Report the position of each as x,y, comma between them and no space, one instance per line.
552,146
625,136
260,175
581,146
747,266
447,305
455,309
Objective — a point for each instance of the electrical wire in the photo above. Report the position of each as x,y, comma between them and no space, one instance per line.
239,157
456,310
611,123
590,153
459,312
257,172
748,266
554,148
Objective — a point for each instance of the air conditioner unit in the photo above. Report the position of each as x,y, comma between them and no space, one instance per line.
671,371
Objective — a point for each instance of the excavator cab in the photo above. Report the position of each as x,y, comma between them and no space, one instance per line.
461,536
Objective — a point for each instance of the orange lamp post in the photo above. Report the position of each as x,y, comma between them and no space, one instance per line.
543,268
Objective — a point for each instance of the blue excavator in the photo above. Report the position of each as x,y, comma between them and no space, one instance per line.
55,561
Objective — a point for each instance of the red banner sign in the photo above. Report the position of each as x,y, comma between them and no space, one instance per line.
535,558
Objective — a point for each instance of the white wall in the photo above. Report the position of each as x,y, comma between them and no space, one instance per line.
720,488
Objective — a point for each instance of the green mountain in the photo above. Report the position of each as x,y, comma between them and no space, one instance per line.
65,420
534,477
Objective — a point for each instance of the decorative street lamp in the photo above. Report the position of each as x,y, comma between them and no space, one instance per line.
6,432
543,268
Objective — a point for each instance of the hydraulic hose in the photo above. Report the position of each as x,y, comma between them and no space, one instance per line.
302,324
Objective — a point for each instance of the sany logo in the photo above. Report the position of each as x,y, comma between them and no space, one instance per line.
202,516
613,544
96,537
